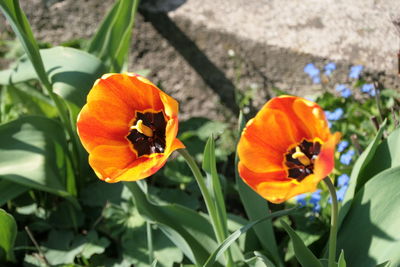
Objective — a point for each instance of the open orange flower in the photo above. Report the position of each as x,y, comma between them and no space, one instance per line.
286,149
128,126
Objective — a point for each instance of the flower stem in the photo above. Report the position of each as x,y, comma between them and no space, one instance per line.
334,216
150,242
212,211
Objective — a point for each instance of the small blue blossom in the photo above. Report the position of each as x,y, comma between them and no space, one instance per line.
316,208
341,193
315,197
343,180
355,71
301,199
346,93
340,87
335,115
316,79
342,146
368,88
313,72
344,90
329,68
347,157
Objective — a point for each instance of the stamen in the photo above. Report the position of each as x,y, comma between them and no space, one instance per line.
300,156
143,129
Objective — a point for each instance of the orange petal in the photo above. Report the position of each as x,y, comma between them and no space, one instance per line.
266,139
94,132
325,161
276,187
313,117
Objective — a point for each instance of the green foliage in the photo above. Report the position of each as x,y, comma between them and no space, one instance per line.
112,41
8,232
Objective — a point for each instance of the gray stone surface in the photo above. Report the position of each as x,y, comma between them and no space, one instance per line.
356,31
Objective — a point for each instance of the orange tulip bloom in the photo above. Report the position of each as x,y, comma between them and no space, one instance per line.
128,126
286,149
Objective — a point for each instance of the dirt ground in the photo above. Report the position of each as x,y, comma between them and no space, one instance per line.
202,69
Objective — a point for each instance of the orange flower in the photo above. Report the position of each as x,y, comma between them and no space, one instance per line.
286,149
128,126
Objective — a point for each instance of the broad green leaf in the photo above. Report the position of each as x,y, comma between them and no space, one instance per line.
8,233
234,236
33,101
387,155
303,254
22,29
33,153
188,230
370,232
10,190
72,72
341,261
357,179
256,207
112,40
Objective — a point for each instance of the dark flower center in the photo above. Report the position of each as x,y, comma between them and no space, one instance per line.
300,160
148,133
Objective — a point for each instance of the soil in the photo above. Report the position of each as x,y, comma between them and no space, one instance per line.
203,69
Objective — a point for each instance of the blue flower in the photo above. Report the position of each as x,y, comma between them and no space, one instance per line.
329,68
301,199
315,197
316,79
368,88
344,90
342,146
317,208
340,87
335,115
343,180
347,157
346,93
313,72
355,71
341,193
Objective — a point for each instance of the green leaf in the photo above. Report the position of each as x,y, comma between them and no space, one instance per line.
22,29
34,154
72,72
357,179
384,264
112,40
370,232
258,260
32,100
188,230
303,254
214,185
8,233
234,236
10,190
256,207
341,261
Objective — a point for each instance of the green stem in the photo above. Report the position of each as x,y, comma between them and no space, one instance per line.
334,216
217,226
149,242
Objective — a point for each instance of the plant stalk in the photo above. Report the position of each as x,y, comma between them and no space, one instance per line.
212,211
334,217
